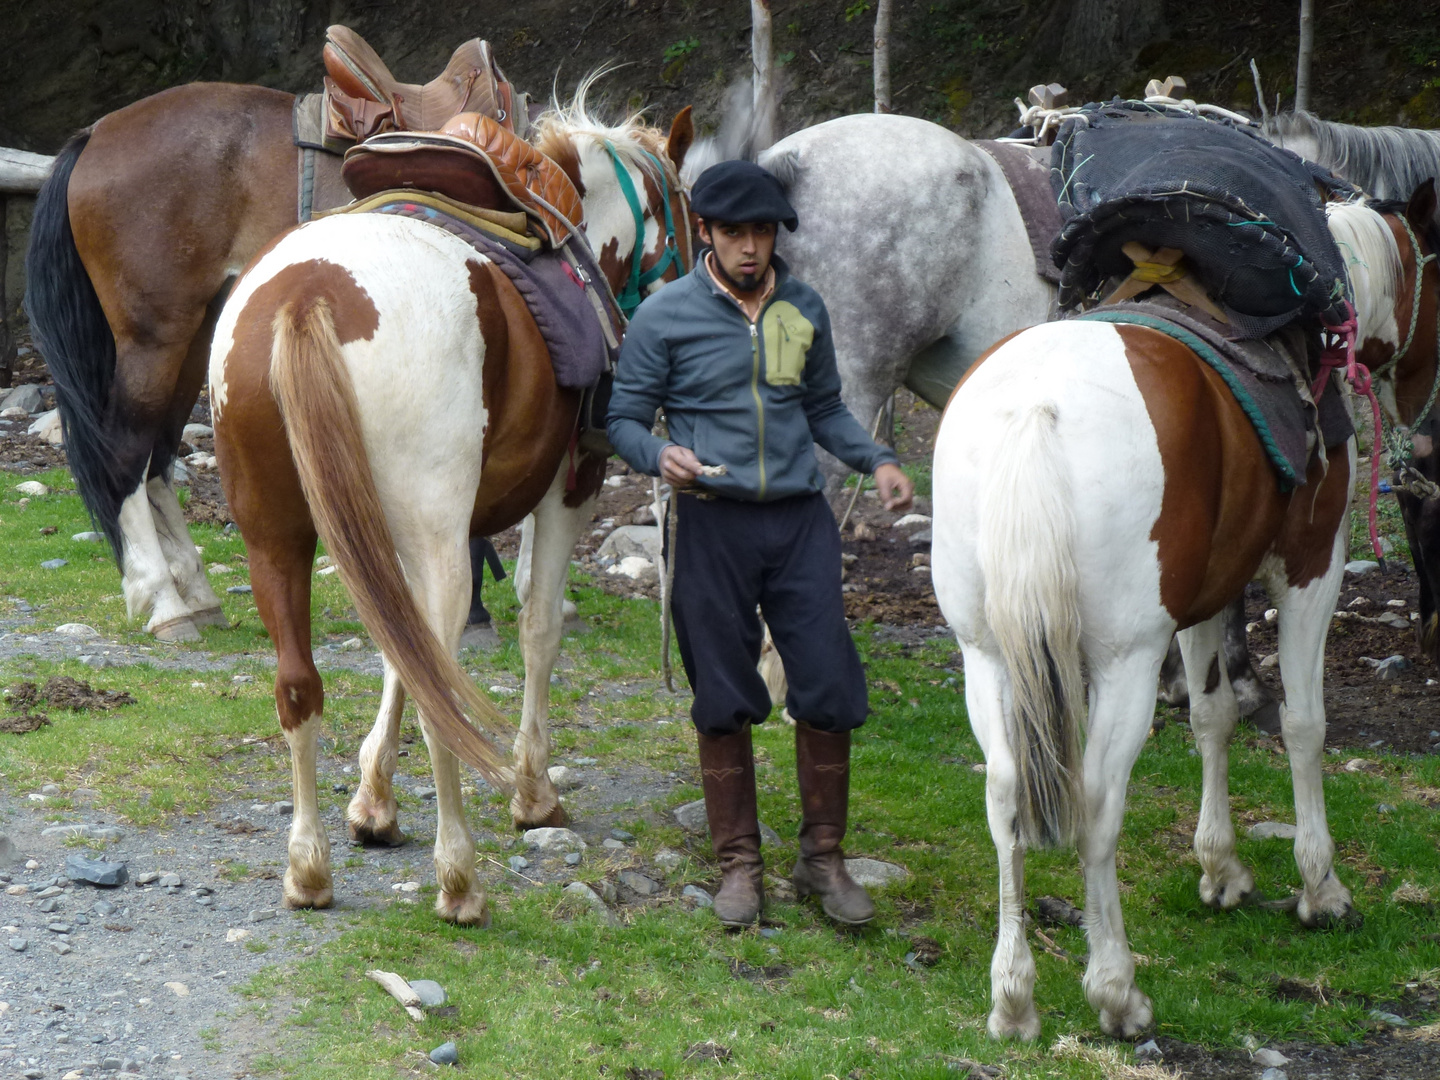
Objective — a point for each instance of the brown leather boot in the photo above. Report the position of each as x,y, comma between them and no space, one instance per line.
822,765
727,772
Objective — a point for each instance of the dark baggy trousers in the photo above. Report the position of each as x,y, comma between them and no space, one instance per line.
783,556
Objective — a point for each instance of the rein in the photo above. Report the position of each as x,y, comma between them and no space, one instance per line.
630,298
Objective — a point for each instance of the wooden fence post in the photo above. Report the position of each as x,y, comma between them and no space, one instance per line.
882,56
1307,51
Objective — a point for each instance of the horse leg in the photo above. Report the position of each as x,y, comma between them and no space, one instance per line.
1225,881
147,583
187,569
1252,697
372,815
1173,690
1122,705
552,531
1012,968
1305,615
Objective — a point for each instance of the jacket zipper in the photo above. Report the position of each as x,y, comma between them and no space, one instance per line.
759,405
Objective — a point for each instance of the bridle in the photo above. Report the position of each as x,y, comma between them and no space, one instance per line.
1399,447
629,299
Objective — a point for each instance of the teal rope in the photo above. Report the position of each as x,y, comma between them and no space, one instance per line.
630,298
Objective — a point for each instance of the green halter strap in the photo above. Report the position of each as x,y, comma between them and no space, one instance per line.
630,298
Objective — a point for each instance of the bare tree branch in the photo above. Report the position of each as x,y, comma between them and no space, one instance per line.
762,55
1307,51
882,56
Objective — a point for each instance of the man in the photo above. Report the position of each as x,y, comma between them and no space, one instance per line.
739,355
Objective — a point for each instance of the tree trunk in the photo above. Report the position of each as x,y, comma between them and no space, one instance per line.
1307,51
882,56
1102,33
763,57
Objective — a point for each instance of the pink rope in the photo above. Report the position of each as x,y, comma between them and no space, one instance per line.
1339,353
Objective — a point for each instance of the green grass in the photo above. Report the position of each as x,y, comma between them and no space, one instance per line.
551,992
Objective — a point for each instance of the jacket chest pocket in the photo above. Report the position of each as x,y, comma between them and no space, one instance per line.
788,336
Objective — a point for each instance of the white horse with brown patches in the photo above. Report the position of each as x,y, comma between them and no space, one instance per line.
379,383
1097,488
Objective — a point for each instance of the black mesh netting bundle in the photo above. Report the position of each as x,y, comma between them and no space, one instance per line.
1247,215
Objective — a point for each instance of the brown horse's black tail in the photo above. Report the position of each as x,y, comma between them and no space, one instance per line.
317,401
73,337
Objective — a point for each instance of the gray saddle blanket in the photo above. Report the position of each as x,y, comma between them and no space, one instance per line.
554,290
1027,171
1269,378
1248,215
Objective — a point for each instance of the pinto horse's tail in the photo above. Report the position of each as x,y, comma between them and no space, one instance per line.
322,420
73,336
1032,604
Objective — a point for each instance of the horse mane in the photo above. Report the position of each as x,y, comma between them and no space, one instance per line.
557,128
1386,162
1372,263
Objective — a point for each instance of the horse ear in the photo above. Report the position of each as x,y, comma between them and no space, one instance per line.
1420,211
682,135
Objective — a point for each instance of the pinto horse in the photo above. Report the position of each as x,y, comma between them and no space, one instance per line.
146,220
1097,488
379,383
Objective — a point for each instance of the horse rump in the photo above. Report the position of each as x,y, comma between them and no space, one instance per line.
74,338
1032,605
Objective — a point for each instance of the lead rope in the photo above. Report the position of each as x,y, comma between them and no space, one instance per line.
860,483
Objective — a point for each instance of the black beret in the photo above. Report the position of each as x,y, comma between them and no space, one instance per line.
737,192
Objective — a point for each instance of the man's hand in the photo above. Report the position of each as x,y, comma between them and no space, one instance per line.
896,490
679,465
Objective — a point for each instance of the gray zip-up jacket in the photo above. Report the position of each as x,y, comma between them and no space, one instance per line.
754,397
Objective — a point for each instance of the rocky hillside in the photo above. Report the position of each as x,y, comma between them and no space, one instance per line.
959,62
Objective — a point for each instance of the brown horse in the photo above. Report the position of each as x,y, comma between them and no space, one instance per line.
376,380
1098,487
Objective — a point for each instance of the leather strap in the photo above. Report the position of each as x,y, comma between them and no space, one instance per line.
630,298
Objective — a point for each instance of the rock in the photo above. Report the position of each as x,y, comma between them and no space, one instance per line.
873,873
47,427
562,778
698,896
28,397
19,944
60,947
197,431
585,762
406,886
260,915
236,933
171,881
632,540
96,871
669,860
1272,830
691,817
1389,1018
1361,566
130,1065
59,927
16,890
7,850
519,862
77,630
768,835
54,564
552,841
1269,661
1269,1058
47,906
425,793
284,806
909,521
639,884
445,1054
921,537
147,878
87,832
1359,764
88,537
634,567
1274,1074
104,908
430,993
179,989
572,859
621,835
240,590
1392,620
578,894
95,661
611,844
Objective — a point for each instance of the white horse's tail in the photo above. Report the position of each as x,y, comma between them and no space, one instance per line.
1032,604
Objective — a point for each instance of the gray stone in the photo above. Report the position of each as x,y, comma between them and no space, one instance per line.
1391,668
147,878
197,431
19,944
669,860
171,881
59,928
611,844
96,871
768,835
572,859
1148,1051
769,932
519,862
54,789
1274,1074
60,947
698,896
578,894
111,1064
872,873
130,1065
691,818
425,793
1272,830
28,397
49,891
562,777
639,884
1269,1058
1361,566
204,901
584,761
47,906
86,832
921,537
88,537
240,590
7,850
1385,808
104,908
621,835
92,660
431,993
553,841
54,564
284,806
1389,1018
628,540
80,631
260,915
445,1054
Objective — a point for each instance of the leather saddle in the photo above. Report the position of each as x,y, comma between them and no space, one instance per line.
363,99
471,159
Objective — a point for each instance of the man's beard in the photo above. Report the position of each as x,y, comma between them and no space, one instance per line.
745,283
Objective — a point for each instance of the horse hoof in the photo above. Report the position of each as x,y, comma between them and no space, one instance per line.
1024,1028
1228,895
1341,918
300,896
1137,1019
214,616
554,819
464,909
369,834
177,629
